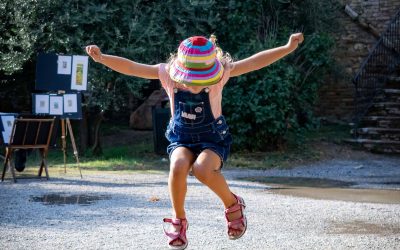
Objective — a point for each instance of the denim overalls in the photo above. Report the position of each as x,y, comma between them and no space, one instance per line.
193,125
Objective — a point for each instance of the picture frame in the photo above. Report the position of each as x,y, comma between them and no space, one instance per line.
70,103
79,73
56,105
64,65
42,104
7,122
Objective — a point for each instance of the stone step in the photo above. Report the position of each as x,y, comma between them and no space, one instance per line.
376,69
365,94
372,130
388,95
389,91
371,81
394,79
385,109
387,98
388,112
381,121
392,85
378,146
377,133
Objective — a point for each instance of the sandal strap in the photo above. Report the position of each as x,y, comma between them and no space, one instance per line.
239,224
175,221
236,224
238,205
173,236
234,208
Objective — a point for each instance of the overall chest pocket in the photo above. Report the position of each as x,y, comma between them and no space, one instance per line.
192,112
221,132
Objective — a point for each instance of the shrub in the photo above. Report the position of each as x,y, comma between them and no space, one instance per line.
260,106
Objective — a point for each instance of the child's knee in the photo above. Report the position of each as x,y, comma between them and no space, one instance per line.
201,172
180,167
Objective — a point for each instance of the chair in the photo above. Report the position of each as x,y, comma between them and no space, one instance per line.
29,134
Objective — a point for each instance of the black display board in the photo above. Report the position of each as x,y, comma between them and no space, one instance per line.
61,72
46,74
68,105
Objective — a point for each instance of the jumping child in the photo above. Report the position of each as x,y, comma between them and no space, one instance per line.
198,134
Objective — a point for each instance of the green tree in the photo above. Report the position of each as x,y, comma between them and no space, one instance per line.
16,40
272,100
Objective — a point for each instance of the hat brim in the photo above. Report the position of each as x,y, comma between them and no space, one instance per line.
192,77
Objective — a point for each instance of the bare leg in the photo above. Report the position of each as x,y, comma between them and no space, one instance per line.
181,161
204,168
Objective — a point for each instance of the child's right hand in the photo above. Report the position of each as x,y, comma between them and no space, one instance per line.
295,40
94,52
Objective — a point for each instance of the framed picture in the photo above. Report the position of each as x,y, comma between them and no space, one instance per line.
64,65
42,104
6,137
70,103
7,122
79,73
56,105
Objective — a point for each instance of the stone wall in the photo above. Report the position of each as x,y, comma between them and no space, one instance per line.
353,44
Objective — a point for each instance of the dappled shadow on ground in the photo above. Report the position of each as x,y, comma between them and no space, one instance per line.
301,181
326,189
361,228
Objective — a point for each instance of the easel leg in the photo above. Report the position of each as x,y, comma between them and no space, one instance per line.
73,144
6,158
11,166
64,144
43,164
4,170
7,163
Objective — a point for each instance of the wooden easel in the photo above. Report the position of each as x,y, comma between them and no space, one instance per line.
29,134
66,124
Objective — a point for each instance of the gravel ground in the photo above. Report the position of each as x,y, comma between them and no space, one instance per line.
130,208
370,171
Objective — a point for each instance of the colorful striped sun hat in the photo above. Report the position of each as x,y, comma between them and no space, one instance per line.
196,63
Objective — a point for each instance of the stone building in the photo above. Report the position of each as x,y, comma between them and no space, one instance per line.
353,44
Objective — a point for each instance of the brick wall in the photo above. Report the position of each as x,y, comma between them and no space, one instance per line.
353,44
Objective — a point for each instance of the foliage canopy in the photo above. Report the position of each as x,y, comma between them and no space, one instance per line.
260,106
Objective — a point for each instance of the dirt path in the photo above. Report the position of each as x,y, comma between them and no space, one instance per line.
114,210
285,209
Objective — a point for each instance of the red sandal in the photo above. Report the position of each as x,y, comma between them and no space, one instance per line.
236,224
174,236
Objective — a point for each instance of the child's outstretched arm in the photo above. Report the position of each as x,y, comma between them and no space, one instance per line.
266,57
123,65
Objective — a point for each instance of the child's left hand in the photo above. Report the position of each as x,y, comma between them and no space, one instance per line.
295,40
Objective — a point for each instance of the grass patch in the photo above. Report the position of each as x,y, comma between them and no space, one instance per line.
123,157
312,146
